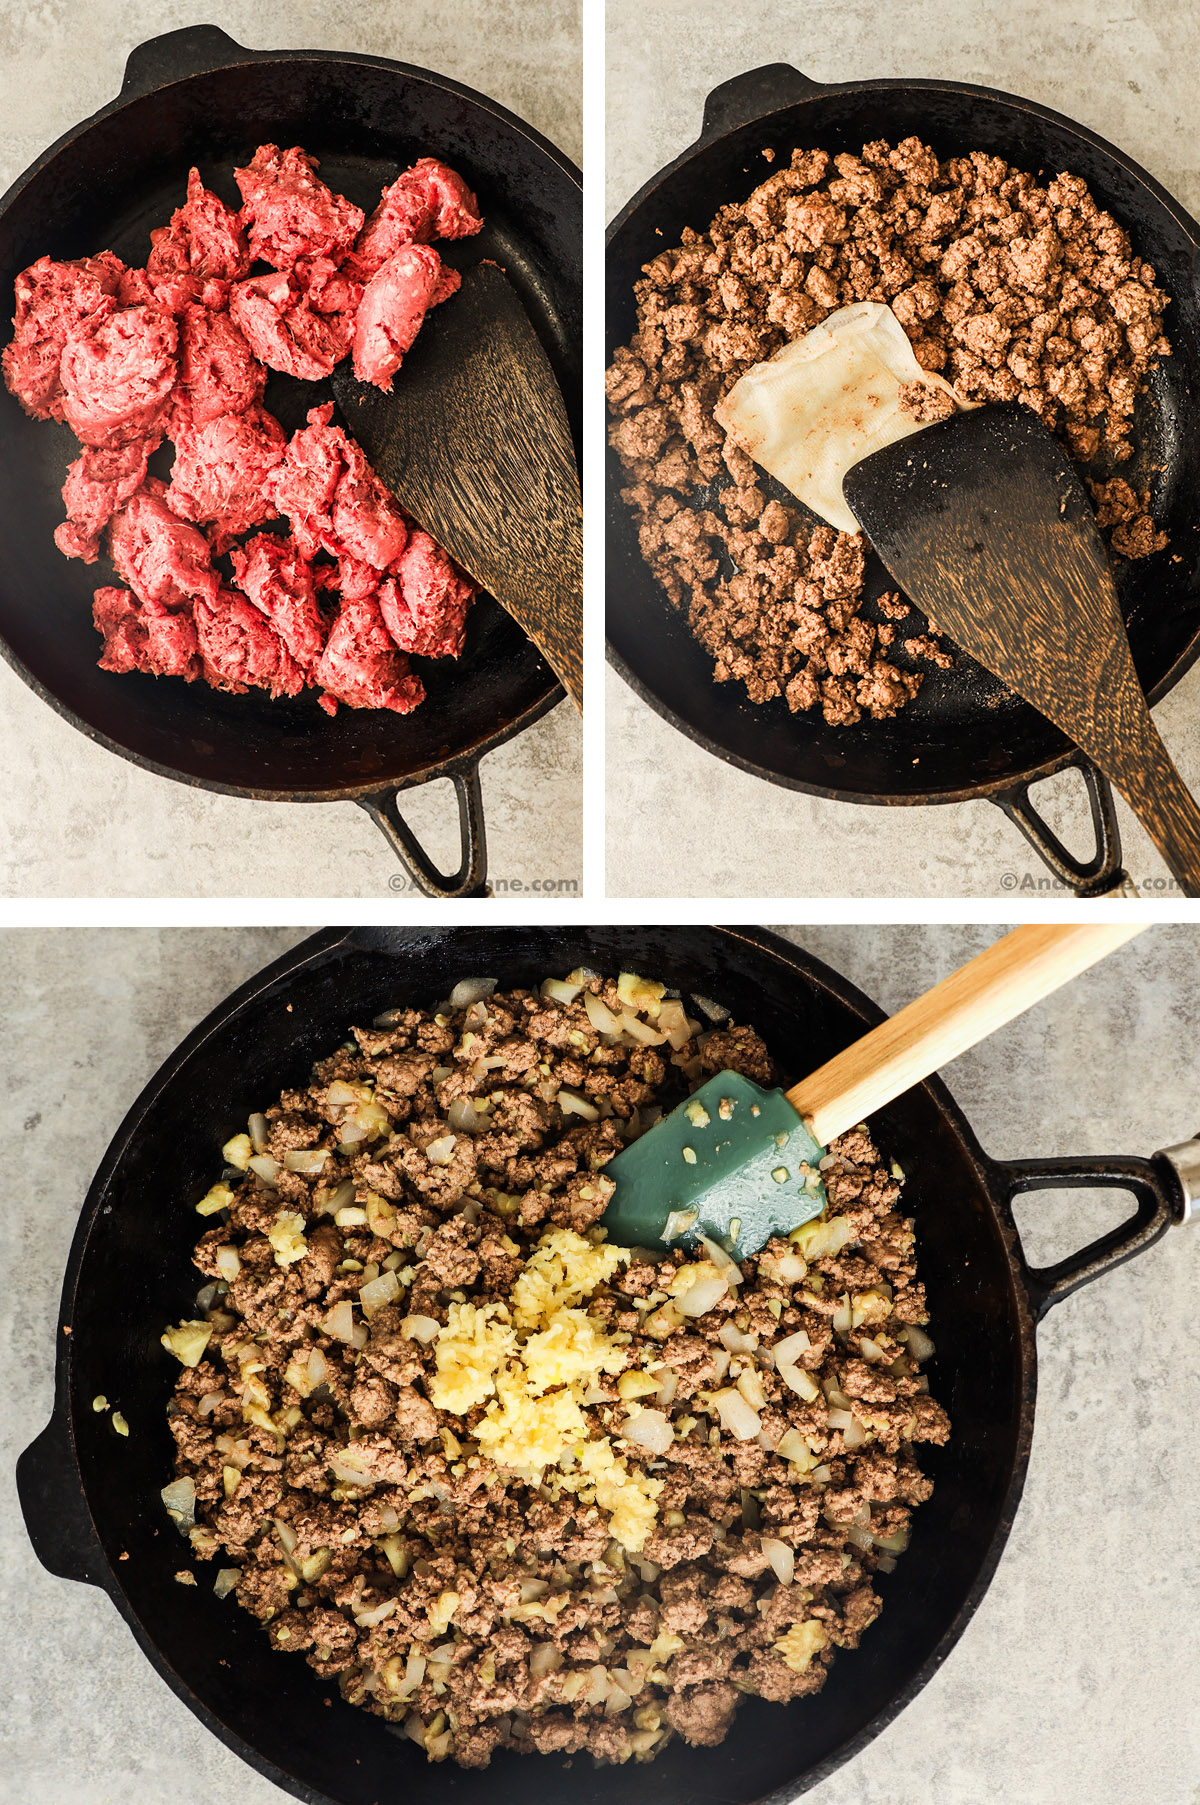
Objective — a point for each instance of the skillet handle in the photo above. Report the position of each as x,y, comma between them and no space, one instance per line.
52,1505
471,877
1102,874
752,96
175,55
1160,1201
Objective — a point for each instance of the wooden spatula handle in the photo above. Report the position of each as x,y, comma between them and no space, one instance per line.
964,1008
1140,766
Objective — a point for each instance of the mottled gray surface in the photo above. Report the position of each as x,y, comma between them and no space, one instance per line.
75,820
1070,1687
1126,68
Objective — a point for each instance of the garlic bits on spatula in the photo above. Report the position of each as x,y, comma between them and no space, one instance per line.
828,399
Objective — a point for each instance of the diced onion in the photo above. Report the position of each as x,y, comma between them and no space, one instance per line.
340,1321
723,1261
919,1344
259,1132
893,1544
791,1347
470,990
465,1117
672,1019
742,1422
342,1466
308,1161
797,1380
228,1262
264,1167
421,1328
843,1317
212,1400
352,1133
180,1500
559,991
368,1619
790,1268
839,1419
701,1296
341,1093
650,1430
750,1385
667,1387
572,1104
600,1015
544,1659
377,1292
638,1031
781,1557
855,1435
226,1580
731,1337
318,1367
441,1151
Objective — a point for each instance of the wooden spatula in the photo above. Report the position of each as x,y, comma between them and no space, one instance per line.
984,523
740,1164
474,442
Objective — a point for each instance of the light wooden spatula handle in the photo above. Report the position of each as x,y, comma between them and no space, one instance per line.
962,1010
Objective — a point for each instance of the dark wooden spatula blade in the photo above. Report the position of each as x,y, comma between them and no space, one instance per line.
474,442
985,524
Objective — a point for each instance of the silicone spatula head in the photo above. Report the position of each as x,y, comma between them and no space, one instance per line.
735,1163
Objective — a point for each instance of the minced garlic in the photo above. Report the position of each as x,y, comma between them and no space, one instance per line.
534,1366
801,1643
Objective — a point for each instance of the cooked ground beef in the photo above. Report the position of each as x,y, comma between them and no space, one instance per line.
1013,289
435,1191
180,351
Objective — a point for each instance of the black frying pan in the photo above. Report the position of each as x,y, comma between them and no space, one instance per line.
194,96
965,735
89,1497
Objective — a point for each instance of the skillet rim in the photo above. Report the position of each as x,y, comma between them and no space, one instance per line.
985,789
452,760
802,967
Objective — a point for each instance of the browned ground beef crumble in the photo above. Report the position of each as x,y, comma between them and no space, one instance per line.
534,1625
1014,290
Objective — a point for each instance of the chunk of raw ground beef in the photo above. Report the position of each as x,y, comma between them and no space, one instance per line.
360,665
427,201
425,605
118,370
242,650
98,483
160,556
333,498
282,329
220,470
393,310
204,241
218,372
52,299
279,581
145,636
289,213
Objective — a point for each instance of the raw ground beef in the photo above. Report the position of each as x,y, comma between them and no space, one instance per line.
181,350
440,1179
1012,289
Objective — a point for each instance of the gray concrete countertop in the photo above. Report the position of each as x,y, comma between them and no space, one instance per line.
76,820
1070,1686
1126,68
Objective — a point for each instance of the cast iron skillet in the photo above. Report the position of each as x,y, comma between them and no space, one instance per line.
194,96
89,1497
965,735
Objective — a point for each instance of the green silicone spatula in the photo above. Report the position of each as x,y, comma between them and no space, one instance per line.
740,1164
